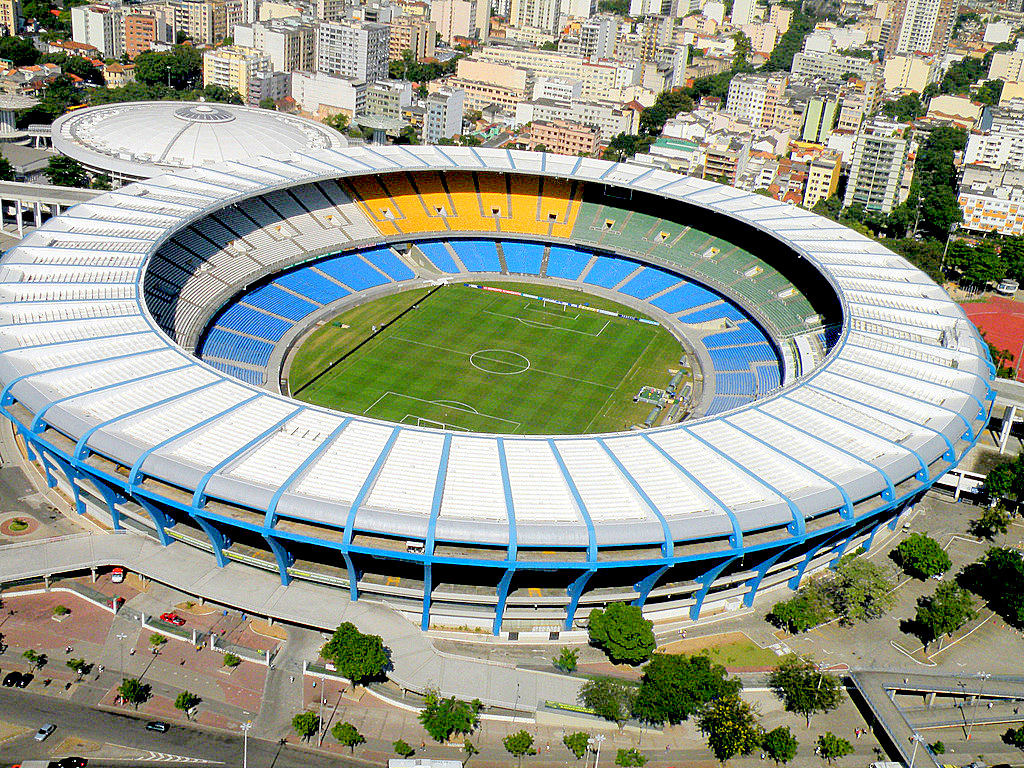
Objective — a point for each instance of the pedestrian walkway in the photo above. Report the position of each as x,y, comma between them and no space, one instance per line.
417,665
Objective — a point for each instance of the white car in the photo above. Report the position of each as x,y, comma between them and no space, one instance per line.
43,733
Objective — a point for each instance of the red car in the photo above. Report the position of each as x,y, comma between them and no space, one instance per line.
172,618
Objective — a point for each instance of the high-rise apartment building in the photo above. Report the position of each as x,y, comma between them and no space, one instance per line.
355,50
876,171
539,14
920,26
146,27
597,36
409,33
290,43
238,69
822,178
11,20
388,98
461,19
206,22
755,98
443,118
1002,144
99,26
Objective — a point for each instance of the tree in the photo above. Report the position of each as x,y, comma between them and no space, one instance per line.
519,744
906,108
1014,737
623,633
860,590
1006,480
608,698
358,657
6,169
306,724
231,660
549,45
937,747
134,691
348,736
730,725
567,660
442,718
268,103
673,687
338,122
80,666
30,656
402,749
993,521
102,182
630,758
186,702
998,578
944,612
578,743
469,748
157,641
803,689
808,608
922,556
831,747
20,51
780,745
618,7
63,171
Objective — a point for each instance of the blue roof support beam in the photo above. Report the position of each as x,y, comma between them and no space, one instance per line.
646,584
502,592
575,492
510,508
668,544
284,558
218,540
575,592
428,544
161,520
705,581
271,517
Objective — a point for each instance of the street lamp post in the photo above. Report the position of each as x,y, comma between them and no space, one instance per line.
122,637
323,698
981,691
245,743
917,738
596,740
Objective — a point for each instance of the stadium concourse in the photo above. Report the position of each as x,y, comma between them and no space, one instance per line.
860,382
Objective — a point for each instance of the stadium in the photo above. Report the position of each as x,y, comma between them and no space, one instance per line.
819,383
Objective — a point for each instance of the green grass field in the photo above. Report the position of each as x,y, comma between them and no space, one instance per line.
475,360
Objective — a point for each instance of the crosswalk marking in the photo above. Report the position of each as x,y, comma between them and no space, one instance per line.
149,756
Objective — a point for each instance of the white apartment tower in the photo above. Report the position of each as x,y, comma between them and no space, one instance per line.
290,44
876,172
356,51
920,26
443,118
100,26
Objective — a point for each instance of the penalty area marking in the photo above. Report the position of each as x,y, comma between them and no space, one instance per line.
499,357
542,325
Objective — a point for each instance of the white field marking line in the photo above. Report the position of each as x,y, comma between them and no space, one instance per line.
600,411
467,354
434,402
528,306
539,324
409,418
456,404
480,354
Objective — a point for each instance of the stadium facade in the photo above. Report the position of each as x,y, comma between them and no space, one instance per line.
884,386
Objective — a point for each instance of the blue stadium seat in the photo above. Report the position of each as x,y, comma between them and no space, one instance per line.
649,282
352,271
609,271
738,383
311,285
477,255
524,258
683,298
228,345
721,403
439,255
567,263
744,333
716,312
273,299
768,378
239,317
385,260
247,375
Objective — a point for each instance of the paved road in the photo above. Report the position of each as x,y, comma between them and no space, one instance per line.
72,719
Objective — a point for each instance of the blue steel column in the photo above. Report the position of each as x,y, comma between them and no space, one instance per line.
705,581
513,541
428,545
159,518
575,590
218,540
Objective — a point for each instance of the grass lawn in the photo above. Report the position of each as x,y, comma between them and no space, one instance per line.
742,653
481,361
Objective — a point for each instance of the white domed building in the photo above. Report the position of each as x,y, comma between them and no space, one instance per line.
138,140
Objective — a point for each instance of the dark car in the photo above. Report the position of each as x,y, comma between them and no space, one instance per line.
12,679
72,762
24,680
158,726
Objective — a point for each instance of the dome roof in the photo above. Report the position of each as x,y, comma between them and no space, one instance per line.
146,138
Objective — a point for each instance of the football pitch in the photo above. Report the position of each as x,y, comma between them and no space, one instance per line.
466,359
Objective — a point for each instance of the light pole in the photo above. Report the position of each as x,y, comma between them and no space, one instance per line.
245,743
981,691
917,738
597,740
122,637
320,731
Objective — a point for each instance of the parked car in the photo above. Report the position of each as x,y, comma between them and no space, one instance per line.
172,618
24,680
117,575
158,725
72,762
12,679
44,733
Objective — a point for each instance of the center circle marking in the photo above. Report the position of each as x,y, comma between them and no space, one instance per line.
503,362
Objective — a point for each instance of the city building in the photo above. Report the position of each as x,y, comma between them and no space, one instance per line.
290,43
28,81
726,156
557,88
836,67
11,20
598,80
1001,143
1008,66
753,98
920,26
443,116
322,94
911,72
388,98
877,168
487,83
145,28
597,36
99,26
992,200
355,50
206,22
822,177
412,34
819,118
610,117
565,138
236,68
117,75
454,19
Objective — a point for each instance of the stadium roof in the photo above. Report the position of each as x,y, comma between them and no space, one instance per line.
146,138
901,397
